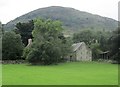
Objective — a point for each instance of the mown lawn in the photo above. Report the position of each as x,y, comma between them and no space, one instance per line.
0,75
74,73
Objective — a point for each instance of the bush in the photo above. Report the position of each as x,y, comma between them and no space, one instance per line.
12,46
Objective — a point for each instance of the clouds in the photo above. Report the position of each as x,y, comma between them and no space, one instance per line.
10,9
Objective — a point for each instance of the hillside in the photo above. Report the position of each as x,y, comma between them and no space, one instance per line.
72,19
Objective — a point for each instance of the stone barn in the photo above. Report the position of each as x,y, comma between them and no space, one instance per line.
80,52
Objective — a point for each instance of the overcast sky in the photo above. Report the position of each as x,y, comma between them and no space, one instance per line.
10,9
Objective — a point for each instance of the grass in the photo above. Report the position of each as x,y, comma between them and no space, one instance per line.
0,75
74,73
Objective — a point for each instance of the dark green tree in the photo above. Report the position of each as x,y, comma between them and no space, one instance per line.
1,29
12,46
1,32
115,45
25,30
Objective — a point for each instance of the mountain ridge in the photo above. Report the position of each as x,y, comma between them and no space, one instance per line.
72,19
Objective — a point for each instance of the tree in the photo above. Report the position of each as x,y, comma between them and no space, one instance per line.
12,46
115,45
84,36
1,32
1,29
25,30
49,45
102,38
95,50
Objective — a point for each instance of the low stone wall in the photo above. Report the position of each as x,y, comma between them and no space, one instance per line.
12,61
103,60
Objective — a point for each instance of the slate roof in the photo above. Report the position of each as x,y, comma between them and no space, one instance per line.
76,46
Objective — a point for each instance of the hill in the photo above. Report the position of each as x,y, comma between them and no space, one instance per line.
72,19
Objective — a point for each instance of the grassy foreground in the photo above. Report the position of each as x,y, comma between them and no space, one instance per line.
0,75
74,73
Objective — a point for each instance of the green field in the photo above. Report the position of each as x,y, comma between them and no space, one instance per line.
74,73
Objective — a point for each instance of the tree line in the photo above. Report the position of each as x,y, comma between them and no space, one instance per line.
49,45
100,42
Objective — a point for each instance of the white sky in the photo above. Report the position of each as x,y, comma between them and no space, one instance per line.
10,9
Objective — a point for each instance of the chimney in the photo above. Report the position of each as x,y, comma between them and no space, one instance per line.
29,42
